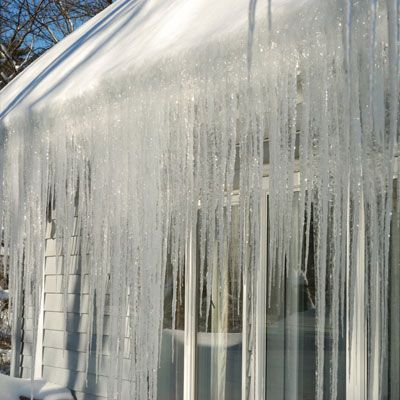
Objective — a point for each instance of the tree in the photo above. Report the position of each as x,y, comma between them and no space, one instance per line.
30,27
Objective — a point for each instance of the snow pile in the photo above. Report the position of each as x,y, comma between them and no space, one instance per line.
15,389
134,153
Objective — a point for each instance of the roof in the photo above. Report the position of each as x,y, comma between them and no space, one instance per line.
127,35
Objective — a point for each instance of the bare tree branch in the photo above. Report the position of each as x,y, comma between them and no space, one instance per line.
30,27
27,57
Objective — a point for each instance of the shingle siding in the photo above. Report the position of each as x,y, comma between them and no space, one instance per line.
66,366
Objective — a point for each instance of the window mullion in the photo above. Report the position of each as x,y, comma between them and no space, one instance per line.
356,340
261,304
40,332
189,374
245,334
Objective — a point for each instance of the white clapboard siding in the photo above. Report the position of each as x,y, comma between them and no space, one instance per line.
74,323
26,372
86,396
77,382
75,341
59,358
26,338
65,339
54,266
27,361
51,228
53,247
27,324
75,303
53,284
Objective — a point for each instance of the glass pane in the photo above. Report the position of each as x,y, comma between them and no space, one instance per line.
291,323
392,391
170,374
219,337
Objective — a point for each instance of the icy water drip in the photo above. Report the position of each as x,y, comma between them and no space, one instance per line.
136,158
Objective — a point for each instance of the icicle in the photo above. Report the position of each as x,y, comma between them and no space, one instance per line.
252,23
269,15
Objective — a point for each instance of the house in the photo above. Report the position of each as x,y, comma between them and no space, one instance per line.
200,200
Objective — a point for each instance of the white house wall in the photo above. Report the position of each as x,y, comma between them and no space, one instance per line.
65,366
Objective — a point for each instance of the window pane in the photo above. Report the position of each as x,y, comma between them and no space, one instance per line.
170,374
392,391
219,337
291,323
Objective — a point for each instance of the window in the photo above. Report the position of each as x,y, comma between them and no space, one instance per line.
170,374
266,349
219,331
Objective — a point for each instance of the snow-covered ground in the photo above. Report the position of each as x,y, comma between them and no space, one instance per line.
16,388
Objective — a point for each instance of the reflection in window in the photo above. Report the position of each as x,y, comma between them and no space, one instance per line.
292,327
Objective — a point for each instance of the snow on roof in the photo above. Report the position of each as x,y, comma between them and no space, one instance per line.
127,35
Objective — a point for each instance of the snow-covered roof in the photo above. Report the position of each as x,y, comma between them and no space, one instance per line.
127,35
